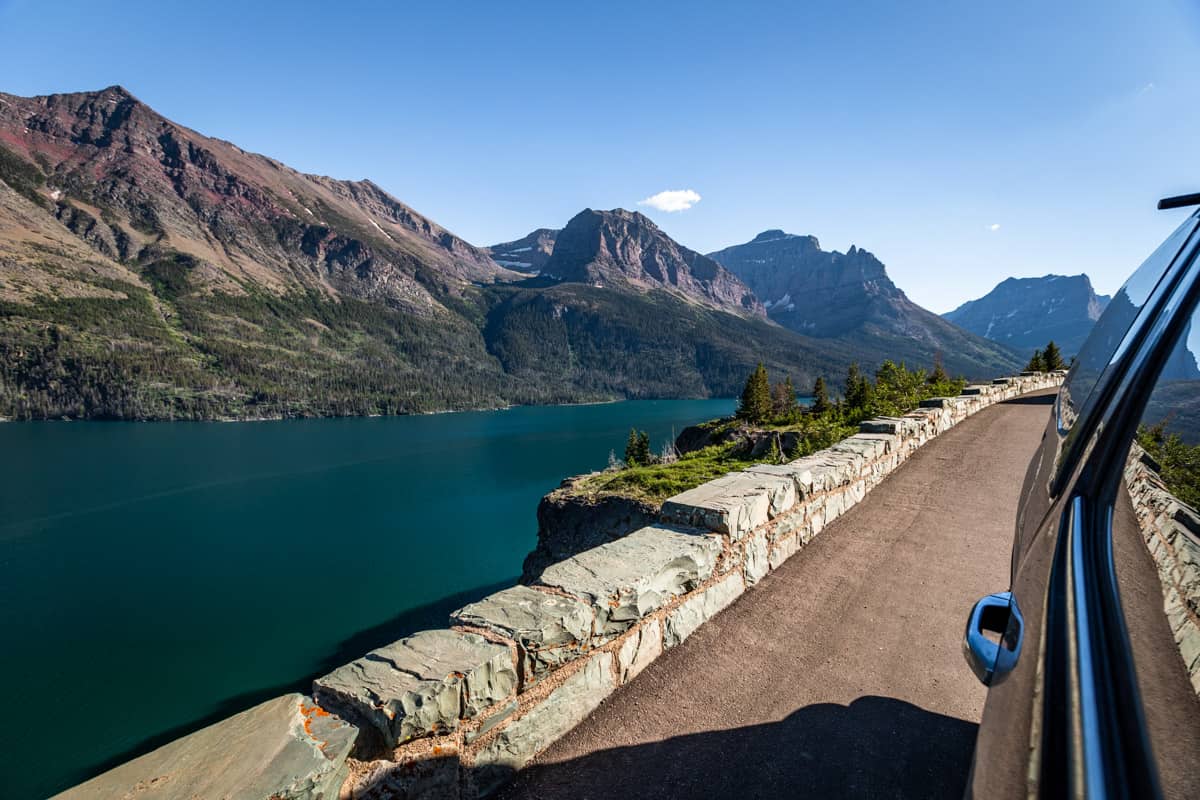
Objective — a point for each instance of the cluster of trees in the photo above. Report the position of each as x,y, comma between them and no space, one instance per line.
894,389
637,449
763,401
1046,360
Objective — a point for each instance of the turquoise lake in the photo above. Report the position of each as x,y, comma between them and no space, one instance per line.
156,577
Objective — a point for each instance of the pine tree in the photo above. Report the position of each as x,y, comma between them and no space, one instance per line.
637,448
783,398
756,397
1052,357
938,375
820,403
858,389
1036,362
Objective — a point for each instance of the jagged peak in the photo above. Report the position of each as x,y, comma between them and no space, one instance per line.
117,90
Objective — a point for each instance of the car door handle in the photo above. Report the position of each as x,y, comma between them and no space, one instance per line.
998,614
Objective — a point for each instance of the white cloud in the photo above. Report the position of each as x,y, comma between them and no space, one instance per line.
672,200
1149,87
995,226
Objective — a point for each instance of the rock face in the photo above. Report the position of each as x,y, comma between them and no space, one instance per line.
116,172
287,748
849,297
528,254
625,247
1026,313
568,524
420,685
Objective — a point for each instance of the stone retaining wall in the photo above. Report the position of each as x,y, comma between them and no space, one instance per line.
453,713
1171,530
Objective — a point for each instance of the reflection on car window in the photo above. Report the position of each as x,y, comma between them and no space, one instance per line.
1156,552
1104,343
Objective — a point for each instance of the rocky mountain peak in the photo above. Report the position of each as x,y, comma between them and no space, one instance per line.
626,248
1025,313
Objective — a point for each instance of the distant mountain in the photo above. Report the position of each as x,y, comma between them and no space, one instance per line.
849,298
527,254
148,271
625,249
622,308
1026,313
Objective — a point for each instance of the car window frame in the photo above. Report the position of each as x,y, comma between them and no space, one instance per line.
1107,741
1074,438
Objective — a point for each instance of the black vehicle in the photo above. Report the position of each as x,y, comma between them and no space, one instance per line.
1093,655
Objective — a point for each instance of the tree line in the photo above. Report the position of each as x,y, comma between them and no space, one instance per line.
1046,360
894,389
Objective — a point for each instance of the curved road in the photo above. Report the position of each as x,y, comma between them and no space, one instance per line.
841,674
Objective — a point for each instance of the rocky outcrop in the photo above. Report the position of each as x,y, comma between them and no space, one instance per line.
569,523
1026,313
454,713
625,248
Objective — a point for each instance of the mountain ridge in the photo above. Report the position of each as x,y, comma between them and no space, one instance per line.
1026,313
150,272
849,297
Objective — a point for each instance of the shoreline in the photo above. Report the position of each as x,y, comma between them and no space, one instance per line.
281,418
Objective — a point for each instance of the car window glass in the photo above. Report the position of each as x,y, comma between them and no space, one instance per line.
1103,345
1156,552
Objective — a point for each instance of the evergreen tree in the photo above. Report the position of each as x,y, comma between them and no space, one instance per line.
783,399
938,375
756,397
637,448
858,390
820,403
1052,357
1036,362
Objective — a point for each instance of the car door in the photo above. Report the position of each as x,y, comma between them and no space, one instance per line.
1064,713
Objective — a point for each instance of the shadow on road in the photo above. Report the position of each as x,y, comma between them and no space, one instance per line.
1032,400
875,747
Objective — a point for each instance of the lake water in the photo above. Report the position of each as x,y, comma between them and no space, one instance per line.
158,576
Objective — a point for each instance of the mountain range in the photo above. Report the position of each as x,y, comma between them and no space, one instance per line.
849,298
149,271
1026,313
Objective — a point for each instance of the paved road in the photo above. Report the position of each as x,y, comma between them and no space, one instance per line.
841,673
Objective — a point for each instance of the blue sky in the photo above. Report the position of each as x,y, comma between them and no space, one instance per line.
910,129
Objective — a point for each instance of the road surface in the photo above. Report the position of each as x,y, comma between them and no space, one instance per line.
841,674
